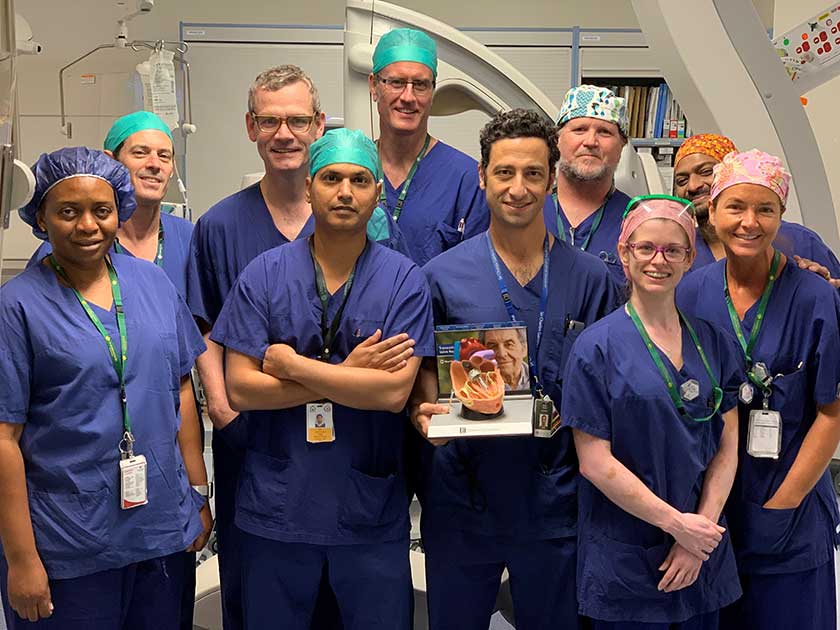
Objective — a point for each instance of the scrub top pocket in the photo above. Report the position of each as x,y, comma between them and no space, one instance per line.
442,237
70,525
621,572
553,498
263,487
370,502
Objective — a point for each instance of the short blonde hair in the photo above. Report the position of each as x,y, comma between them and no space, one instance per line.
279,77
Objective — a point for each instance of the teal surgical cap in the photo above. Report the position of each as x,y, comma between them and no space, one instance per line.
132,123
405,44
343,146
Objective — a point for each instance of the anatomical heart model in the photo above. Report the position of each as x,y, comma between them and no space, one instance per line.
476,379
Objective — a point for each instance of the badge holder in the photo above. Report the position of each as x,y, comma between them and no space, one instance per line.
545,420
133,490
764,434
319,422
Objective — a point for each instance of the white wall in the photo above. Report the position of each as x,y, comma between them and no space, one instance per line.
822,102
69,28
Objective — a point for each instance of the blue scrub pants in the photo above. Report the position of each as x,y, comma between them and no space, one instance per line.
708,621
281,583
228,453
141,596
462,583
806,599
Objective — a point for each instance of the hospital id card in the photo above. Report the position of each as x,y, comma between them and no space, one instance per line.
545,420
133,491
764,435
319,423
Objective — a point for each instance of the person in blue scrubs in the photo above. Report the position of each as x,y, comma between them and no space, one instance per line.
782,512
142,142
693,176
313,501
508,502
95,354
586,209
430,188
284,117
651,397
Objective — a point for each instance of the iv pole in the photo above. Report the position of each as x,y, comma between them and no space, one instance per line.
121,41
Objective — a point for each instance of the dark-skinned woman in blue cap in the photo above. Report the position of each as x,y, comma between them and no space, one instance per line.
95,354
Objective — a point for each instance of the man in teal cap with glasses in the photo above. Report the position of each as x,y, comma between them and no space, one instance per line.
325,500
430,188
143,143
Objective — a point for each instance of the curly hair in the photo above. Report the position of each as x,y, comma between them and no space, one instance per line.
519,123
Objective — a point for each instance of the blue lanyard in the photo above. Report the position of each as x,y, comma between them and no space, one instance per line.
511,309
596,223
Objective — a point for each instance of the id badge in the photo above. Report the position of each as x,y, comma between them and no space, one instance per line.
319,423
764,435
133,491
544,420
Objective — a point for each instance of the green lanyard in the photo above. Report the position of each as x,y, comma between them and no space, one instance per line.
328,332
596,223
666,375
404,192
158,257
117,358
748,347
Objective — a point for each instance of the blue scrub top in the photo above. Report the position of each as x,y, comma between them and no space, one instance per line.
801,326
352,490
238,229
791,239
614,391
511,488
57,379
444,204
604,242
176,243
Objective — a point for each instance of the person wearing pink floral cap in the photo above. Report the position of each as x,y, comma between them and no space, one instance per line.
782,511
693,175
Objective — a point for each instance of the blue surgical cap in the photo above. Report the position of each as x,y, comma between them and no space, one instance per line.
53,168
405,44
132,123
343,146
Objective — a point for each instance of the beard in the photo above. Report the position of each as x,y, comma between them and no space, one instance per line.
574,173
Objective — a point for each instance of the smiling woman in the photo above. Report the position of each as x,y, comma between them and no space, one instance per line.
787,322
646,387
92,478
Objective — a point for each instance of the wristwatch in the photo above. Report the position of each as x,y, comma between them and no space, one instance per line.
206,491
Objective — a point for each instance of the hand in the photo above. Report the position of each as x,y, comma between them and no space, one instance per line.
29,590
207,524
220,413
681,569
278,359
422,414
390,355
697,534
817,268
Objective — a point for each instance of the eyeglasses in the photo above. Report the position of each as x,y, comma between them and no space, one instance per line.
635,202
645,251
396,86
296,124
